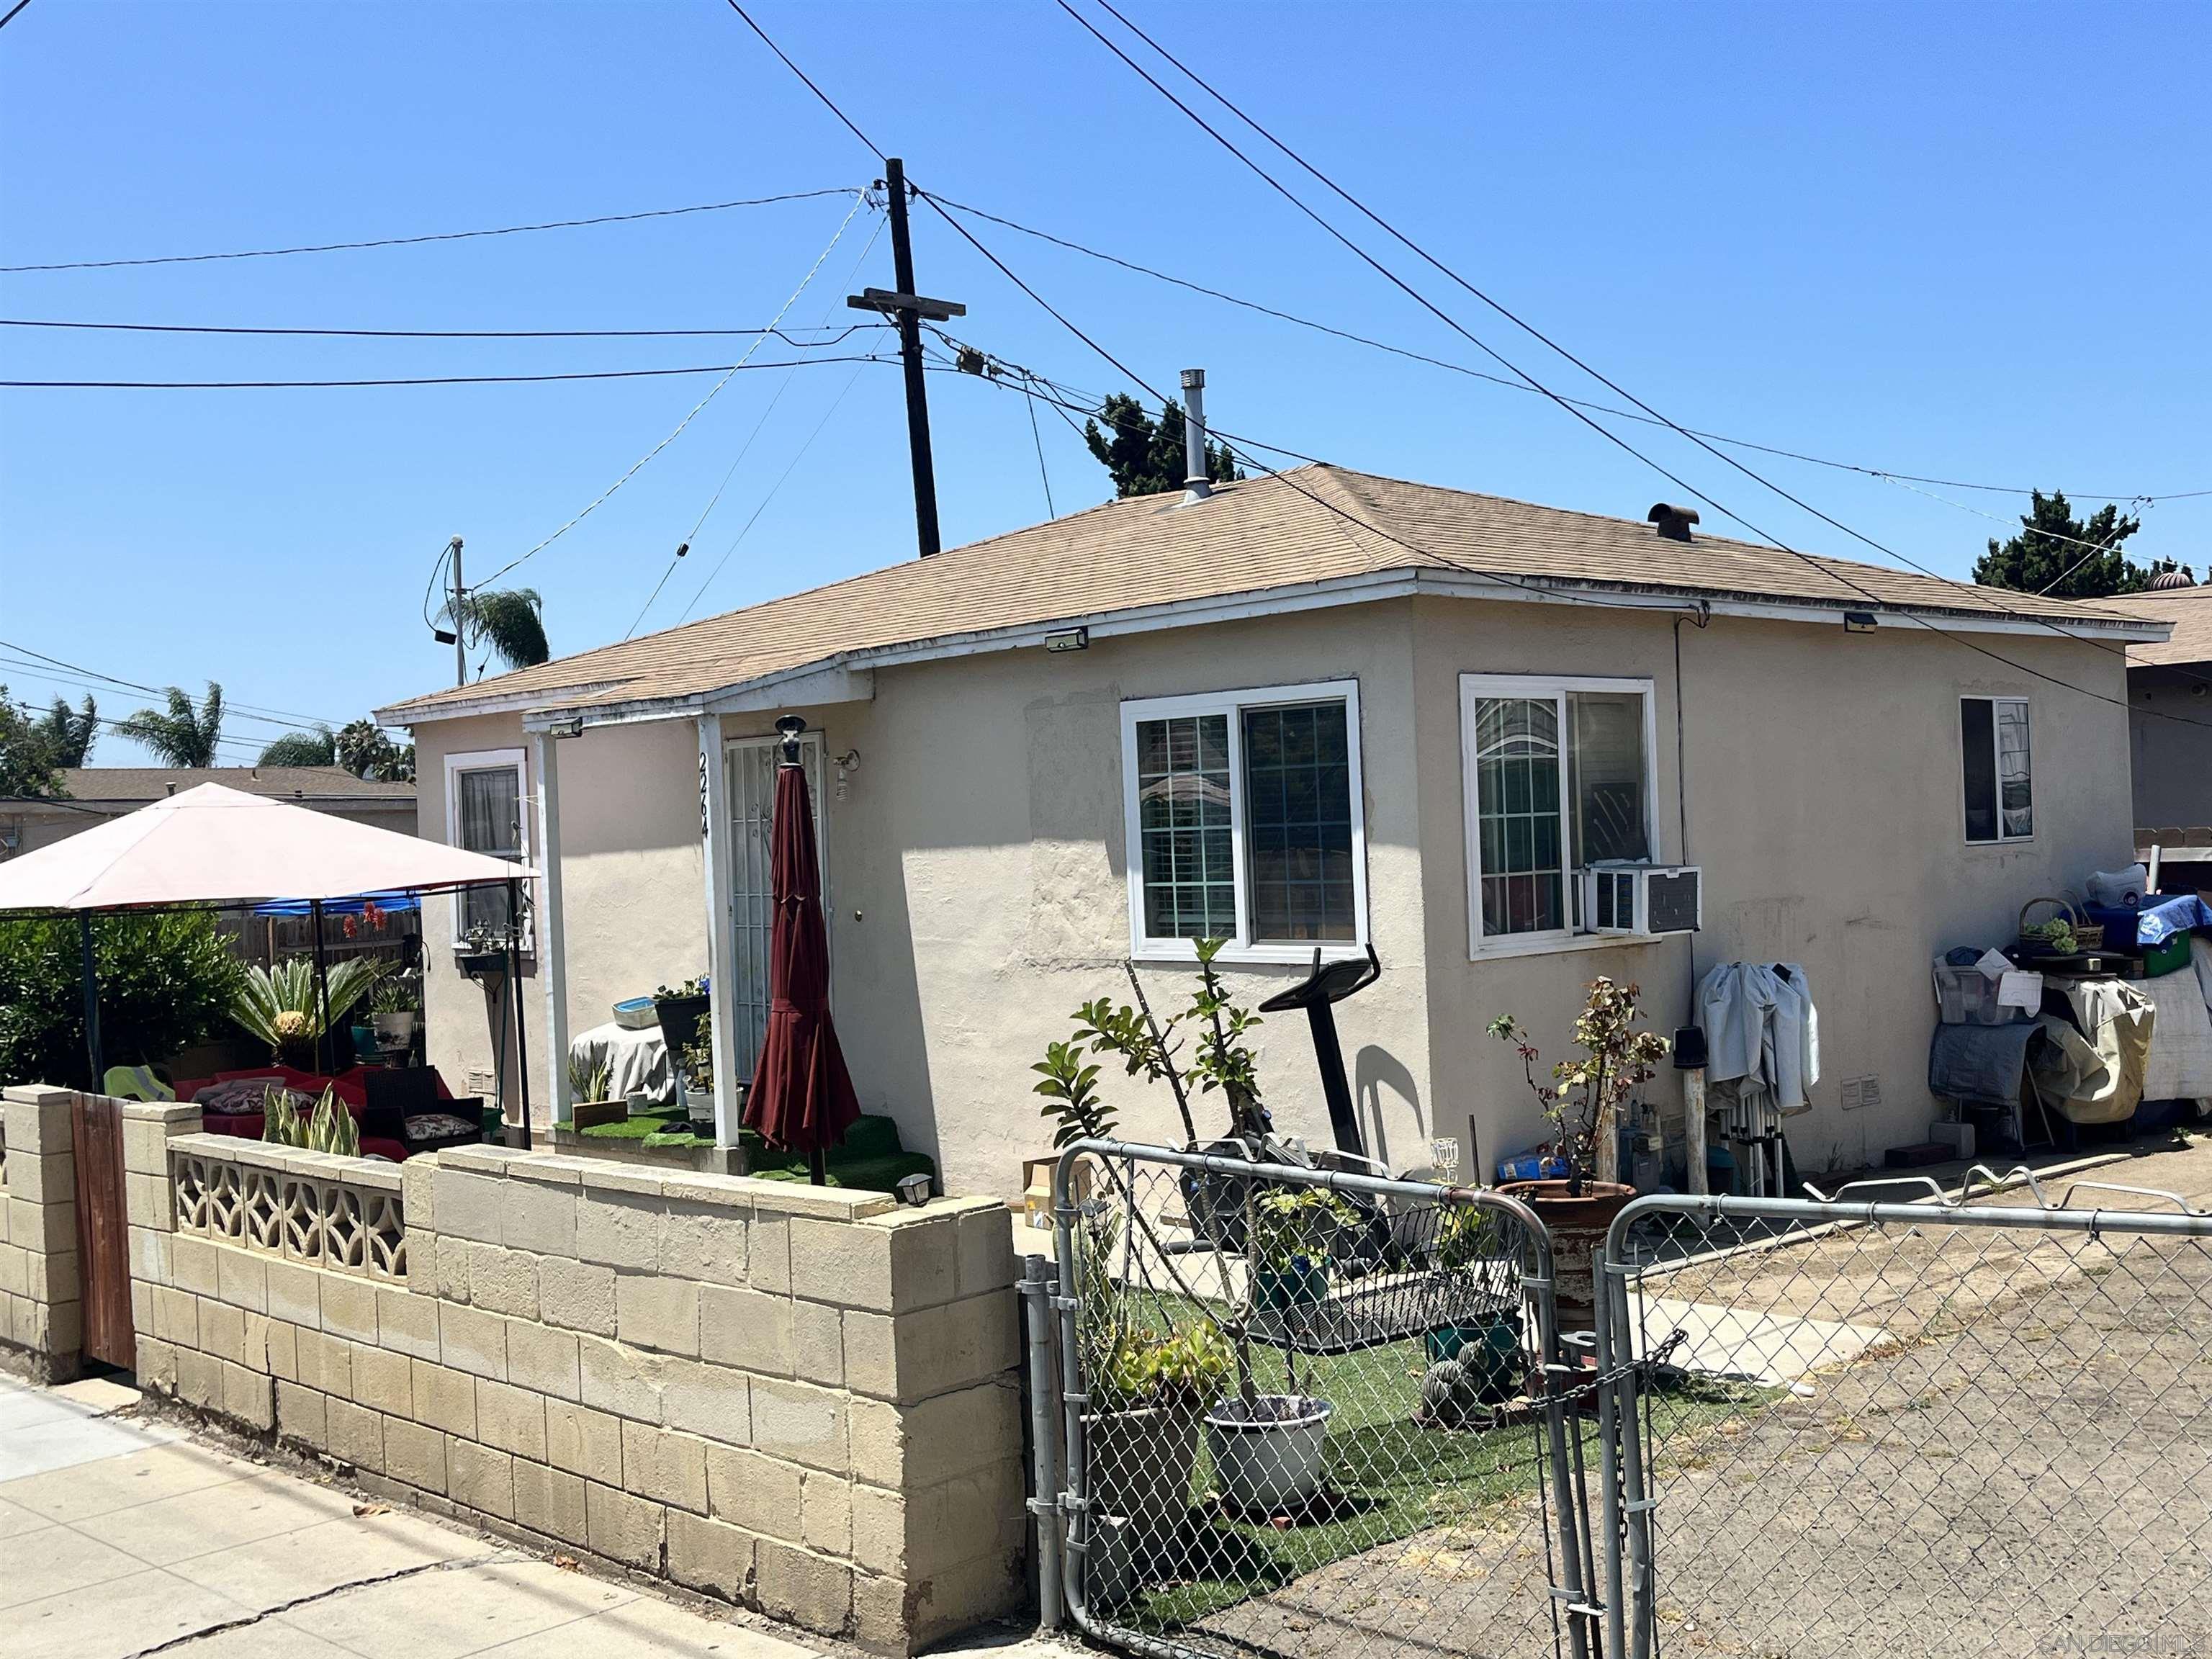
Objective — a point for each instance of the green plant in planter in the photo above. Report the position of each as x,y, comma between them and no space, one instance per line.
266,995
398,993
1582,1102
329,1128
1182,1368
1295,1232
690,988
589,1080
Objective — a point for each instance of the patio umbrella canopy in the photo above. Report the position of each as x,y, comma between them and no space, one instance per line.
215,846
802,1097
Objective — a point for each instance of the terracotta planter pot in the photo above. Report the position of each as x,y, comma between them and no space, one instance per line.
1578,1225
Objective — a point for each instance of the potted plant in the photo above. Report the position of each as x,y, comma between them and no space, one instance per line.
1147,1394
482,953
1583,1103
282,1007
395,1003
1480,1333
1296,1232
591,1088
681,1010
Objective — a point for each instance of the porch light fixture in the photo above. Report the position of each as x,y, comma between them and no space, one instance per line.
1068,638
571,727
1859,622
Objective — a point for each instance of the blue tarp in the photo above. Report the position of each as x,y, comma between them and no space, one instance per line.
346,907
2161,917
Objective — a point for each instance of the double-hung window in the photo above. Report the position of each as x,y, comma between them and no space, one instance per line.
487,811
1558,778
1999,778
1244,824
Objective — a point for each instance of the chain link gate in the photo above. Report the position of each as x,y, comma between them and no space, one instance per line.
1312,1413
1931,1428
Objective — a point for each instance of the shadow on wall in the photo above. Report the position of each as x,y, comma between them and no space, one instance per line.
1375,1070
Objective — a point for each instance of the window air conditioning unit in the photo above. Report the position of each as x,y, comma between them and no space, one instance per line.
1642,898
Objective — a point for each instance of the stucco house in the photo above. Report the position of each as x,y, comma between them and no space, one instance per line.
97,793
2170,711
1324,709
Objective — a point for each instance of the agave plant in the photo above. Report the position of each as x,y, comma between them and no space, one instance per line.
329,1128
267,995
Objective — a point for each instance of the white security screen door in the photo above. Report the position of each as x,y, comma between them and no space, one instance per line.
751,771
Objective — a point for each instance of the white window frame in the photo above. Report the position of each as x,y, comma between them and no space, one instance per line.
1472,689
1242,948
489,760
1996,763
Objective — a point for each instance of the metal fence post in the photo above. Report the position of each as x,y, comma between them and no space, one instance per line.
1037,1285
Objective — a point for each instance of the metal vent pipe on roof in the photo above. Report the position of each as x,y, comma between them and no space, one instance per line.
1196,485
1673,522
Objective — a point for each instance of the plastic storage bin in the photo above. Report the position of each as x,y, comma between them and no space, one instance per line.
1968,996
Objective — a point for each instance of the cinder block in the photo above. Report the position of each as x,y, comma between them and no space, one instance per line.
14,1267
711,1556
257,1343
47,1229
887,1263
620,1380
295,1293
38,1118
191,1265
960,1520
542,1359
64,1328
407,1323
145,1148
149,1254
986,1251
818,1341
881,1539
42,1178
768,1254
383,1383
661,1314
918,1446
418,1192
805,1588
583,1442
825,1514
157,1364
704,1241
960,1598
357,1434
148,1200
538,1218
466,1206
579,1296
421,1247
622,1528
911,1356
801,1423
665,1466
551,1501
503,1280
223,1330
349,1308
415,1455
283,1347
706,1399
326,1362
177,1316
142,1305
242,1280
451,1265
882,1614
619,1229
249,1396
759,1493
301,1414
481,1477
489,1158
749,1329
511,1419
472,1341
199,1379
445,1400
52,1277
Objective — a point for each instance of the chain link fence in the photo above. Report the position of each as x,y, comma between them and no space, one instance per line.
1314,1413
1916,1429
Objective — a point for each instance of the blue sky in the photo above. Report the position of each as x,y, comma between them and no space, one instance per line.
1961,240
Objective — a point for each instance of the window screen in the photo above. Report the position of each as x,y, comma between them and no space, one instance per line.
1516,755
1183,817
1298,802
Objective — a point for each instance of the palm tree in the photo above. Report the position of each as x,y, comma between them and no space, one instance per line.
184,735
69,733
315,748
511,621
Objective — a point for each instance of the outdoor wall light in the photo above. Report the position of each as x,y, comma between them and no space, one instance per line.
788,729
847,764
914,1189
1859,622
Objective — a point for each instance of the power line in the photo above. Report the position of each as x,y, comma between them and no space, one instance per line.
242,744
724,369
436,236
1068,323
837,336
1885,473
11,670
151,690
12,11
859,200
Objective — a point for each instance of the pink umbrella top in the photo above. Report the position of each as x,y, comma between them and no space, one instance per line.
210,845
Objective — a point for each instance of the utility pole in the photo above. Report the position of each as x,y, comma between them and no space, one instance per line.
461,634
908,308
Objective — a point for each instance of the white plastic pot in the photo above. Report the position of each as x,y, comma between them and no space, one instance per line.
1272,1456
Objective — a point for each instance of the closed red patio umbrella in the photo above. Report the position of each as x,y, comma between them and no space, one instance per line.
802,1097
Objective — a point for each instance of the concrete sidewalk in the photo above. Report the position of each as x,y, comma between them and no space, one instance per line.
121,1538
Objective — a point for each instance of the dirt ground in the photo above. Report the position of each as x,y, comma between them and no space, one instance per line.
1980,1442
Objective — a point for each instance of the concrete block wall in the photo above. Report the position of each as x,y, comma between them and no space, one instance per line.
41,1300
803,1401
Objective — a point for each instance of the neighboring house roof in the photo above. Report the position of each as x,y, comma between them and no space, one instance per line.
314,786
1315,530
2189,611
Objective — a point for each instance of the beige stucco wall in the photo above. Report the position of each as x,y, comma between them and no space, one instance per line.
2170,720
978,876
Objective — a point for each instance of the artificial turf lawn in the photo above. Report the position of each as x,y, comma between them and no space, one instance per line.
871,1159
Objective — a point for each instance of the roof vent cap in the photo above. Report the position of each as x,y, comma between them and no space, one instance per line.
1673,522
2167,581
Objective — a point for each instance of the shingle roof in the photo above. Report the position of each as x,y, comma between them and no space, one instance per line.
139,784
2189,611
1313,524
